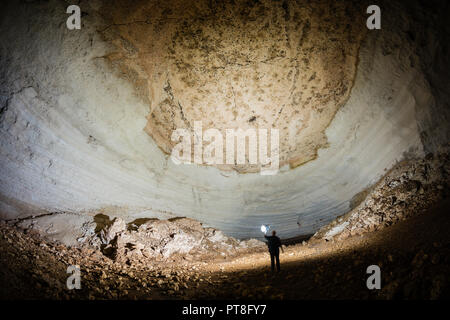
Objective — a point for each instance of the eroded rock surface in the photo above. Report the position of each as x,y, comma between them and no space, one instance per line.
414,256
72,129
284,65
408,189
179,238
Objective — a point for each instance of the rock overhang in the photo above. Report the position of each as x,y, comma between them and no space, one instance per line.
73,138
283,65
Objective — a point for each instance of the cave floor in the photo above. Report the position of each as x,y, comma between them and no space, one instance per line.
413,256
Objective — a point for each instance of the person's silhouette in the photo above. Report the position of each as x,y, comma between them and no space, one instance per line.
274,244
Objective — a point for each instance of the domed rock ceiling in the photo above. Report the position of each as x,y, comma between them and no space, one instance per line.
86,116
246,64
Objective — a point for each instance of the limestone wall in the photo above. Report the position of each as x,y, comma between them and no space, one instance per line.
77,136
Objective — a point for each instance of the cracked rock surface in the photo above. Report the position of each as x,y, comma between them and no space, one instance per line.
76,106
178,238
285,65
413,256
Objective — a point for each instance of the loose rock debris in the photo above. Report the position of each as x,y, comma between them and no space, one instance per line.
180,259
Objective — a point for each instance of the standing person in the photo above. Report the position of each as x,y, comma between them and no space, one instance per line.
274,244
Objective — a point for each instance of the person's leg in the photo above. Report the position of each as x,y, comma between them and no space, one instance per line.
278,261
272,262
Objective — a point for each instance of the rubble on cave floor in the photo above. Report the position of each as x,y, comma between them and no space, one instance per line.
180,258
159,240
145,258
413,256
154,260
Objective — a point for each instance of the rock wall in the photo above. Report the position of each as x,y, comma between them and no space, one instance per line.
408,189
283,65
157,240
74,133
